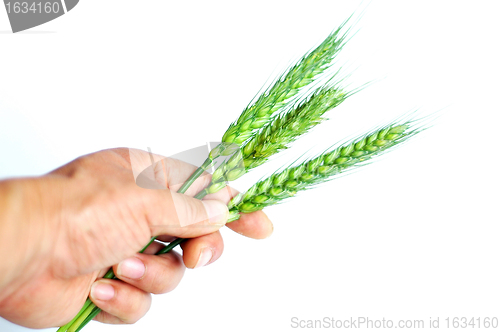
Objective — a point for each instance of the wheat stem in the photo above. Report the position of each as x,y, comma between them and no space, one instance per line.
64,328
199,171
254,117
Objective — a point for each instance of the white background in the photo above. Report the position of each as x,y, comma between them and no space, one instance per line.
413,236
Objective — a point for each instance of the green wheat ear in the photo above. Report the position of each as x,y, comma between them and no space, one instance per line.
287,127
260,113
256,115
327,166
277,135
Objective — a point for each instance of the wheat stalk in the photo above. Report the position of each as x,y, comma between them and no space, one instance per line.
259,133
253,118
325,167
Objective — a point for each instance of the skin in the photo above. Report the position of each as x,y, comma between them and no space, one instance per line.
60,233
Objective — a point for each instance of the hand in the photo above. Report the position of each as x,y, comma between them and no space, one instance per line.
60,233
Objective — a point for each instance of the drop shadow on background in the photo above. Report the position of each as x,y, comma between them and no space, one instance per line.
9,32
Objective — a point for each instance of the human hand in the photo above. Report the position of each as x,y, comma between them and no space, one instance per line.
63,230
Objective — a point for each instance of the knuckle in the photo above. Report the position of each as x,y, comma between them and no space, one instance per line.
137,309
168,276
187,210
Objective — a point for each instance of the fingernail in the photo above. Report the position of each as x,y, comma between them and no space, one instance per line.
102,291
205,257
132,268
217,212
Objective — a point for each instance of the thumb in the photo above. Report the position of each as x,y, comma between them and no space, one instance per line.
185,216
